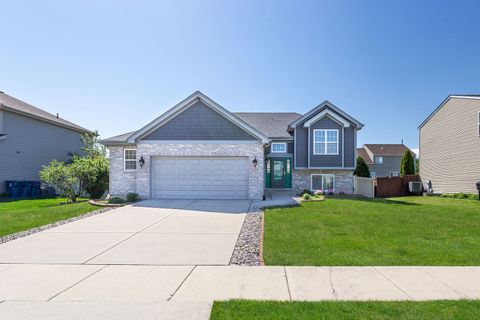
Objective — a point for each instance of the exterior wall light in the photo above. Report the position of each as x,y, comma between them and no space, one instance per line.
255,162
141,161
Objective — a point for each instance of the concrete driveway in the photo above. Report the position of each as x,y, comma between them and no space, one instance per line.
153,232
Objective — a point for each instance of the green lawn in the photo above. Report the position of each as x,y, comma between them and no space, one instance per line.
21,215
362,232
438,310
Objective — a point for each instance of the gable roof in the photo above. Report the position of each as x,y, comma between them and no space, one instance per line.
361,152
185,104
454,96
12,104
387,149
327,104
271,124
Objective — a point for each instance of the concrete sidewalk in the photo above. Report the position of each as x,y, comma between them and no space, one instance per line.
188,291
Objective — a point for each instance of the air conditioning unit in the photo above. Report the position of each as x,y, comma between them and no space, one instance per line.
415,186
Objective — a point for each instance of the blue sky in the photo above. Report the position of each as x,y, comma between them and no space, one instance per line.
116,65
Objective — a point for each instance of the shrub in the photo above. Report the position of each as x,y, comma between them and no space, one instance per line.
361,170
93,173
116,200
132,197
64,178
306,196
407,165
307,191
460,195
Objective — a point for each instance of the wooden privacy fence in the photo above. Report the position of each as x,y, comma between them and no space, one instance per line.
393,186
364,186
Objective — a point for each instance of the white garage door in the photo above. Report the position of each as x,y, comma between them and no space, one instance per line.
200,177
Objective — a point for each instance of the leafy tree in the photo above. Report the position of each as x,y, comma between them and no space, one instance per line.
362,168
417,166
82,175
64,178
407,165
91,145
93,173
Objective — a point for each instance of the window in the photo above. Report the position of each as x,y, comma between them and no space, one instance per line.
372,174
288,165
279,147
394,174
378,160
324,182
130,159
325,142
268,165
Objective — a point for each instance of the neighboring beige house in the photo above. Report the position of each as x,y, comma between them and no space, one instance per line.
450,145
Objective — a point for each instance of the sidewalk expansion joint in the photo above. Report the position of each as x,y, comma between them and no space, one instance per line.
181,284
73,285
392,282
288,285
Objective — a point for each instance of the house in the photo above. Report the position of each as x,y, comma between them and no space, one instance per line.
198,149
30,138
383,160
450,145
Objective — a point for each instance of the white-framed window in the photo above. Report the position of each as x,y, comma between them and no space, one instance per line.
325,141
394,174
372,174
324,182
279,147
130,159
378,160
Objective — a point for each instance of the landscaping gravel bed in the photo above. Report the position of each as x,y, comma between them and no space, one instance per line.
247,249
28,232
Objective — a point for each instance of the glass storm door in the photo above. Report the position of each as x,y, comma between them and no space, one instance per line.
278,180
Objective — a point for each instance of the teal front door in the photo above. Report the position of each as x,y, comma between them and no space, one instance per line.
278,174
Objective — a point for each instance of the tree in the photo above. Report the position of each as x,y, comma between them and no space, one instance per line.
64,178
93,173
91,145
407,165
82,175
417,166
362,169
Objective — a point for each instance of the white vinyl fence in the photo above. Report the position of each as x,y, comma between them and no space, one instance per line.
364,186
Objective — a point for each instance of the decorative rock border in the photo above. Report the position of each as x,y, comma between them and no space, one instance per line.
247,251
28,232
112,205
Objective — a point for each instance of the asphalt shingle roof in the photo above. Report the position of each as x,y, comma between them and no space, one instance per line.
9,102
120,138
271,124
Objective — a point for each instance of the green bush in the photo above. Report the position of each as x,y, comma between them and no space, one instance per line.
132,197
460,195
306,191
116,200
361,170
407,164
306,196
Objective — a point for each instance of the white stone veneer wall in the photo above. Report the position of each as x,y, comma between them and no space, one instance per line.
301,179
121,181
251,150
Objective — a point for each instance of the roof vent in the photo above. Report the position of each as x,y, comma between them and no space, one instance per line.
57,115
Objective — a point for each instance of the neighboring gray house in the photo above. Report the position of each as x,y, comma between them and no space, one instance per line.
31,138
198,149
450,145
383,160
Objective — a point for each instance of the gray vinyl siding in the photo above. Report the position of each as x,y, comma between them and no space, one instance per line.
450,147
199,122
30,144
321,161
350,147
390,164
301,147
347,145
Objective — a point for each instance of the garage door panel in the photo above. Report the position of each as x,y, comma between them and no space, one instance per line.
200,177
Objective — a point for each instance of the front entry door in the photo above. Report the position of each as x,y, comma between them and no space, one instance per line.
278,180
